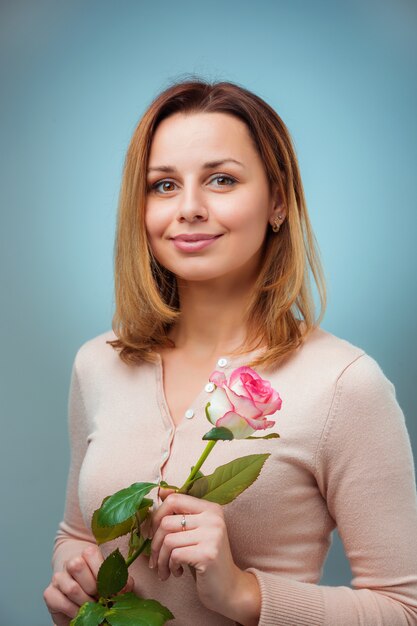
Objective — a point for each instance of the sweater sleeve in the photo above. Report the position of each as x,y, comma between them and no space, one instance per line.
365,472
73,536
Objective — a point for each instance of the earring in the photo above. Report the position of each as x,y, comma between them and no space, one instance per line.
276,224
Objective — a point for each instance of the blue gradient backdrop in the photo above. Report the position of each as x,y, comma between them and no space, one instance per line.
75,78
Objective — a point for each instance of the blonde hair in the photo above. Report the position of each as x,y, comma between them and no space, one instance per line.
281,311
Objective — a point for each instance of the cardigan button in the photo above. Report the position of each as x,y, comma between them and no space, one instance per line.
209,387
222,362
189,413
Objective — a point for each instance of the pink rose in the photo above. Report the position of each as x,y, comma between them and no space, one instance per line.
242,403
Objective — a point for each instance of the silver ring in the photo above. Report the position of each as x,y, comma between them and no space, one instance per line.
183,522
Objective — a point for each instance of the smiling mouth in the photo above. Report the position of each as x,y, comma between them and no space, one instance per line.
194,245
194,237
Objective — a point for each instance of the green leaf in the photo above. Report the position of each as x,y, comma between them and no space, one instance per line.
230,480
216,434
107,533
191,483
166,486
198,475
89,614
198,488
136,541
123,504
112,575
147,549
142,512
270,436
129,610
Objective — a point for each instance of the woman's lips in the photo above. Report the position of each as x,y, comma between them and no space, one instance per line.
193,246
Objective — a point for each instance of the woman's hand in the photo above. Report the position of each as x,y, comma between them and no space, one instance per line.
74,585
205,546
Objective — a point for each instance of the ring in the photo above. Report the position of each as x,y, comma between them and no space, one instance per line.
183,522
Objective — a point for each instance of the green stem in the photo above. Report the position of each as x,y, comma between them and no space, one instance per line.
209,447
135,555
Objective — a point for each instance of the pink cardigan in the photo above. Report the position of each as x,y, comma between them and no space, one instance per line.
344,459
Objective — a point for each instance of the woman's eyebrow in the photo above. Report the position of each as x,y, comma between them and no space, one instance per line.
208,165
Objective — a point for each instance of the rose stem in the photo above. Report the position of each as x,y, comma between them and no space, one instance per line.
209,447
135,555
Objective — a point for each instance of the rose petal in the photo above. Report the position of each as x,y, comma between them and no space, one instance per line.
219,404
218,378
243,405
258,389
237,424
268,408
260,424
235,375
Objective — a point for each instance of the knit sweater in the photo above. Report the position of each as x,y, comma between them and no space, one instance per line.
343,459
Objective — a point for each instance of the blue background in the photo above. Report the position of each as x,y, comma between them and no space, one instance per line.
76,77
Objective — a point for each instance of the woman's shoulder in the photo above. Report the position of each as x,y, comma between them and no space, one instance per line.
322,343
96,347
96,356
98,367
326,356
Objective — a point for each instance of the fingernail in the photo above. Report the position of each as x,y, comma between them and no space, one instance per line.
151,563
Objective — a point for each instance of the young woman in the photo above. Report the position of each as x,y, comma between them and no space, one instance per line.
213,253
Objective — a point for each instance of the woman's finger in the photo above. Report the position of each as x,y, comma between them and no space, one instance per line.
180,558
59,606
164,493
80,571
171,544
176,570
59,619
71,588
172,524
94,558
181,503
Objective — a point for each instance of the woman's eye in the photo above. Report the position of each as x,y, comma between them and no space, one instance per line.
165,184
222,177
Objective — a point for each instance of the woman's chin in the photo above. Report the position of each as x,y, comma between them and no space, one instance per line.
199,277
229,280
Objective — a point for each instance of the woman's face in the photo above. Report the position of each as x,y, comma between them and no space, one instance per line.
208,200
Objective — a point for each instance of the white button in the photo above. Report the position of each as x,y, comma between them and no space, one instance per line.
189,413
222,362
165,455
209,387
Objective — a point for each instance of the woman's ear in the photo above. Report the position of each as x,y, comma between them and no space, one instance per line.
278,210
278,205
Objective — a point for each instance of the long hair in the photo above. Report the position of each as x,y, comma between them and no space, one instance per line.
281,310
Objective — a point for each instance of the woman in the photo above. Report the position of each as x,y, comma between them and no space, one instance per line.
213,253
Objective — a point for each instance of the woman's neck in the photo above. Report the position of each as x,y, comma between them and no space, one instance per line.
212,319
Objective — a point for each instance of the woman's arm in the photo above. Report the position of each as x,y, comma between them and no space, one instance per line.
365,472
73,536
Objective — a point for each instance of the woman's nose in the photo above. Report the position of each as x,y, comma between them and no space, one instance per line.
192,205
